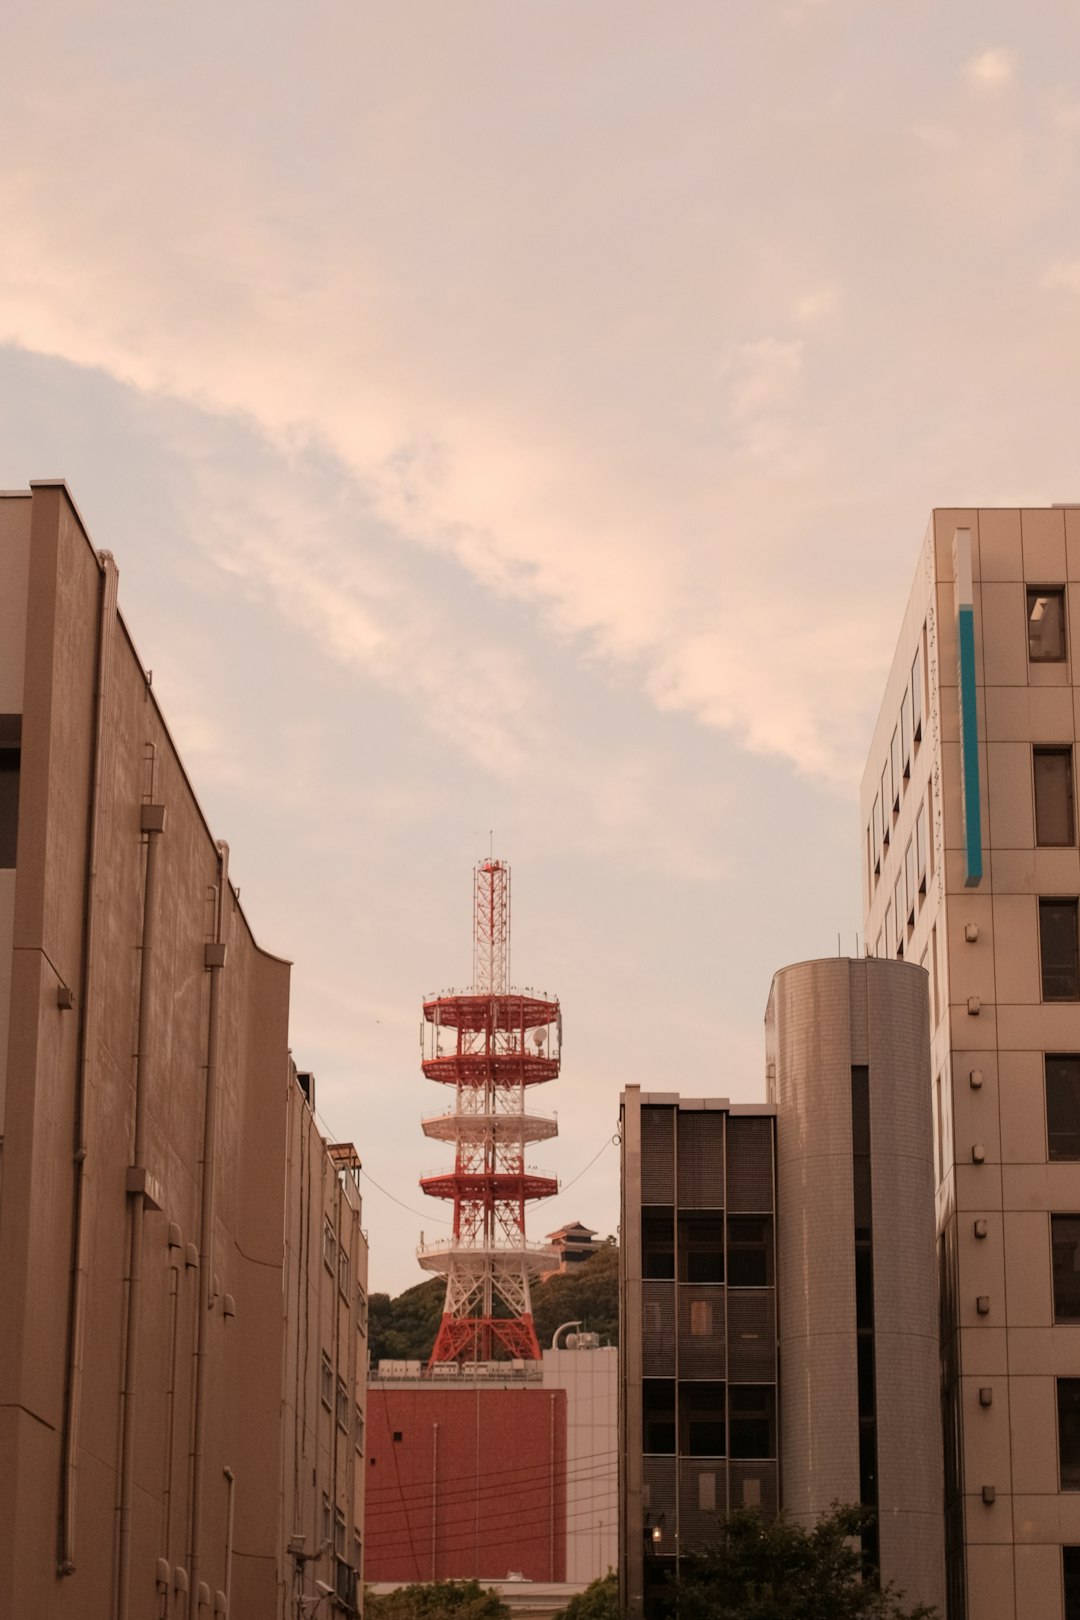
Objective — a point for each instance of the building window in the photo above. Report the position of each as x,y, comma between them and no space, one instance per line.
358,1430
10,757
701,1419
1054,818
327,1520
917,694
1058,950
329,1247
339,1533
344,1273
1063,1105
342,1405
875,825
909,882
361,1309
1046,623
905,737
749,1251
706,1492
894,769
658,1416
326,1382
658,1246
885,807
898,912
701,1249
751,1420
1065,1246
920,848
1068,1403
1070,1577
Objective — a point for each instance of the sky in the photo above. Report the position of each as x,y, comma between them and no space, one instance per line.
515,425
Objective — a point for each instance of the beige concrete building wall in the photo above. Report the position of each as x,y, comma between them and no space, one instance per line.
142,1334
326,1354
591,1381
1008,1520
14,568
825,1019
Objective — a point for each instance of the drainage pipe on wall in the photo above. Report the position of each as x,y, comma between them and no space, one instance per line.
153,825
214,958
76,1318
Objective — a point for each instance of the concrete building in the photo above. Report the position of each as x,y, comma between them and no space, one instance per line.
847,1066
971,869
697,1409
494,1470
148,1113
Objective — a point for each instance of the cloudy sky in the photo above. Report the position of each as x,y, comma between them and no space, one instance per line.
524,416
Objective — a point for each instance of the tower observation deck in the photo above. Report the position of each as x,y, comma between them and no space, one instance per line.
491,1044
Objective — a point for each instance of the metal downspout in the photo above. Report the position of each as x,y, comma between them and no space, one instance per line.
214,957
76,1316
152,824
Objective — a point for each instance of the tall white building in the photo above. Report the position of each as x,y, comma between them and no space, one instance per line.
971,869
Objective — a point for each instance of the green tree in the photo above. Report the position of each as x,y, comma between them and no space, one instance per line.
404,1329
588,1292
780,1571
437,1600
599,1601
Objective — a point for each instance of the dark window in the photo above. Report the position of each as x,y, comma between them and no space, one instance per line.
1063,1105
701,1418
885,817
1058,950
10,734
917,694
920,848
658,1416
905,736
1054,819
1070,1571
749,1256
1046,623
1068,1401
701,1249
894,769
1065,1243
398,1435
658,1246
751,1420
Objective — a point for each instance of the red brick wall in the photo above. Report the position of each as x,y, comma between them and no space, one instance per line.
481,1494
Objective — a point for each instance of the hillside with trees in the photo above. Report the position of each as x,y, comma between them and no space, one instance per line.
404,1328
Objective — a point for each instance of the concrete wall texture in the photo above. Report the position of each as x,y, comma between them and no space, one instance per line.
825,1019
1013,1519
142,1353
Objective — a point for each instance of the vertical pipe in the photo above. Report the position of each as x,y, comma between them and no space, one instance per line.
551,1496
153,822
76,1316
434,1498
215,961
231,1481
170,1417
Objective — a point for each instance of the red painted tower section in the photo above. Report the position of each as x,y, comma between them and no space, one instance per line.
491,1044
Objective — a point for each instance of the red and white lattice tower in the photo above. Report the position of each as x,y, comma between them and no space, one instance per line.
491,1044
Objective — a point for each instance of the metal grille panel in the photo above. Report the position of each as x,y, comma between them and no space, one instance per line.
658,1477
658,1329
702,1480
750,1164
701,1330
753,1485
752,1335
657,1155
701,1160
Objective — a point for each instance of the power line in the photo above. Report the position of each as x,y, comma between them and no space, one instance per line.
522,1487
487,1475
424,1214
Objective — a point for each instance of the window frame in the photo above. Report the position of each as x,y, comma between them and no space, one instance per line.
1066,1310
1063,1083
1071,904
1035,593
1054,751
1068,1417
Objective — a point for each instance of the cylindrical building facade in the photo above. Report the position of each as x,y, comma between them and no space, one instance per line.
848,1067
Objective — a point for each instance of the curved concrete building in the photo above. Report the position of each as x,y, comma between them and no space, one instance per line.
848,1066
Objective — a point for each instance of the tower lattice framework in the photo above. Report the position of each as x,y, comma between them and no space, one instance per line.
491,1044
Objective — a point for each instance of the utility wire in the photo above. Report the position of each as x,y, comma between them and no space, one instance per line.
587,1468
424,1214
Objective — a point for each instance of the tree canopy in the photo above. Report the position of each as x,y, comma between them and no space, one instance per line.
437,1600
781,1571
599,1601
